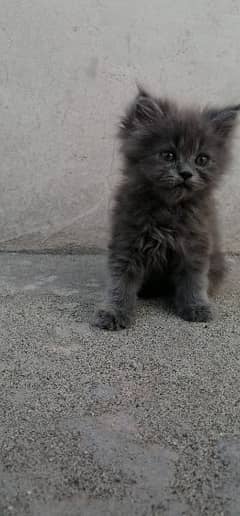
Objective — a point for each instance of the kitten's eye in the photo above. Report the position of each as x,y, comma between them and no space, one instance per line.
168,156
202,160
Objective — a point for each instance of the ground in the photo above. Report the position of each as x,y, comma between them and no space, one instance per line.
143,422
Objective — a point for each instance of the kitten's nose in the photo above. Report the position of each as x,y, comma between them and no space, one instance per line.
186,174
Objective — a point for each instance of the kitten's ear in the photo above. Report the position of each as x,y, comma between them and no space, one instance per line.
223,120
143,110
146,107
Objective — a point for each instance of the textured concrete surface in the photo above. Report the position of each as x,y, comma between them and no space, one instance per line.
67,68
144,422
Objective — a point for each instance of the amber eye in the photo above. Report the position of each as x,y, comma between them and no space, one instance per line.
202,160
168,156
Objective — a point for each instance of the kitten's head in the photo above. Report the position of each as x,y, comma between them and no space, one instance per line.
182,152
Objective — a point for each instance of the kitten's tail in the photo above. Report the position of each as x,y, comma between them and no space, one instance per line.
217,272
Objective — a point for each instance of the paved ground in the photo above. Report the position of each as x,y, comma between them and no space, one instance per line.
143,422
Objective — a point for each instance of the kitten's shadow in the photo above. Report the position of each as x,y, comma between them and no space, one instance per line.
158,296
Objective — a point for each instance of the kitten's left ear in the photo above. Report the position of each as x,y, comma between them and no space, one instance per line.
142,111
223,120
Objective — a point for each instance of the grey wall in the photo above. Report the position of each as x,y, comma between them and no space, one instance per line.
67,68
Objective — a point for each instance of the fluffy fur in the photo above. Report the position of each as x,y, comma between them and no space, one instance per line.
164,223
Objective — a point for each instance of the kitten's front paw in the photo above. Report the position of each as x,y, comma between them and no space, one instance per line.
107,319
196,313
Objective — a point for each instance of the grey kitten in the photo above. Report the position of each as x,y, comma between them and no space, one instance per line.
164,224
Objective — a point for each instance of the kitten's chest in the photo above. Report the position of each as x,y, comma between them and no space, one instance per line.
166,236
156,242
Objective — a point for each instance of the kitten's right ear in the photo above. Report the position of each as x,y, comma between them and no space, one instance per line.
223,120
142,111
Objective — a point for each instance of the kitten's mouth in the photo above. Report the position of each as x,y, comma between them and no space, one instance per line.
184,185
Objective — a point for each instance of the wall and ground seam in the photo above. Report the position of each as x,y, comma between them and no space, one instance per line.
67,70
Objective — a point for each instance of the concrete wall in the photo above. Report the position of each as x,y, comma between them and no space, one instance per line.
67,68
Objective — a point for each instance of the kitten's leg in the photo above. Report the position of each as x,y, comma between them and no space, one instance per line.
116,311
191,297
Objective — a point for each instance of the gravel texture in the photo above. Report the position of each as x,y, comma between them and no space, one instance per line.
142,422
